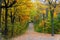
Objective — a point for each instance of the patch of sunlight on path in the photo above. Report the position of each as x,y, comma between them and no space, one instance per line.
32,35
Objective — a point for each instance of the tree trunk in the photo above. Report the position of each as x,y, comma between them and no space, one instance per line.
6,29
44,22
19,18
11,17
52,21
47,13
0,24
0,18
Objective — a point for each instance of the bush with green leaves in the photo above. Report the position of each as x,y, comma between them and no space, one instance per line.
15,29
47,28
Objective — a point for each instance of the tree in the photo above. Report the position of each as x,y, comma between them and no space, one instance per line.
52,5
7,5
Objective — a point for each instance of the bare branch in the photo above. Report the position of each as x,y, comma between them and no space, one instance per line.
12,4
5,2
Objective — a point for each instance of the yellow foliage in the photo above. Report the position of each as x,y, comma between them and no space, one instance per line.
55,14
27,13
25,7
42,23
44,11
36,17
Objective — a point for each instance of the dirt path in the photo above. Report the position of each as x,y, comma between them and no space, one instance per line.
31,35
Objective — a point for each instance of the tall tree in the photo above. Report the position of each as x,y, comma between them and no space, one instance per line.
52,5
0,18
7,5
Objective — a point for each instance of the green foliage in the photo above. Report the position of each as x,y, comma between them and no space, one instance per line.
15,22
47,28
17,29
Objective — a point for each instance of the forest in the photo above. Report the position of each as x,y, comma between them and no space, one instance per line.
15,16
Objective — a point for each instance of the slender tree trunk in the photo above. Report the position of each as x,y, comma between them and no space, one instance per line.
46,13
6,14
52,21
0,19
19,18
0,24
44,22
11,17
13,25
12,22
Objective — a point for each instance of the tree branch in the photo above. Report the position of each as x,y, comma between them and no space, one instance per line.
12,4
5,2
2,6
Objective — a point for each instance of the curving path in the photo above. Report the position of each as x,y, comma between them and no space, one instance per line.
32,35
